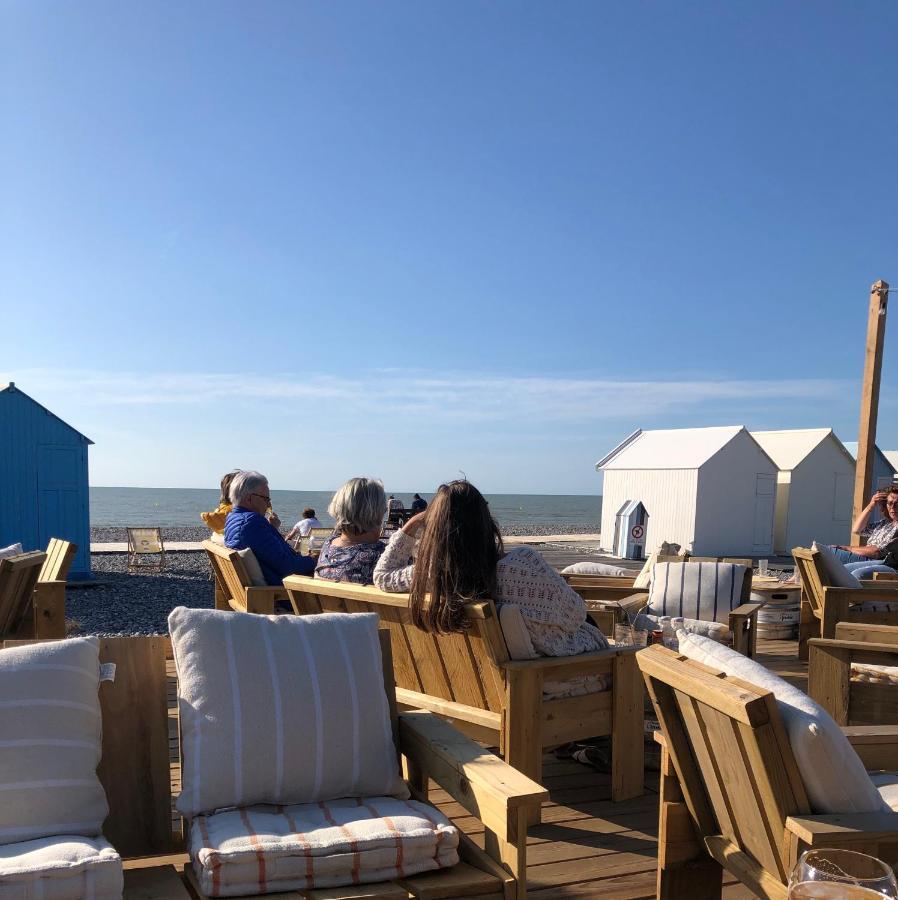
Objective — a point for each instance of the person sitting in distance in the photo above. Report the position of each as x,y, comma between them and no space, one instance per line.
881,534
461,558
358,509
395,511
303,528
418,505
215,520
247,527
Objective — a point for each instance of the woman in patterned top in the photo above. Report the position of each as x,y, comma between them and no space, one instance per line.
881,535
350,555
462,558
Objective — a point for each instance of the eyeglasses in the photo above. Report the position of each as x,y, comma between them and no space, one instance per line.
891,502
265,497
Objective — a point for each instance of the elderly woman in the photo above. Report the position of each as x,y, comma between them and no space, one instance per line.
358,509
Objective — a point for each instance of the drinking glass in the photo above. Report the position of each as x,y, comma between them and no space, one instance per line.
823,874
640,637
623,635
762,568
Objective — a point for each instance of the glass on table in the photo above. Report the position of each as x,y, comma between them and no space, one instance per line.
822,874
640,637
623,635
762,568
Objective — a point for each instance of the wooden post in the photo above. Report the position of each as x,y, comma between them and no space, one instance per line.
866,441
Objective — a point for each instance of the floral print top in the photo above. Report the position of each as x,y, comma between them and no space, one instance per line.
353,563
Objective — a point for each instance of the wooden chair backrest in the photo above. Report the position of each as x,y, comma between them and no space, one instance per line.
463,668
18,576
145,540
60,554
731,754
813,576
229,570
321,532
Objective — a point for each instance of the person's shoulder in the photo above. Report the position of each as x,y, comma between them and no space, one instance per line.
523,555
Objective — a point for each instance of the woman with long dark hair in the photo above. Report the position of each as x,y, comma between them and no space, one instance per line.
461,558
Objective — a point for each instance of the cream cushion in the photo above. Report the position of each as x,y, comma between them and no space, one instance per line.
264,849
253,569
644,578
707,591
594,568
838,575
11,550
714,630
60,868
50,741
833,774
875,674
281,709
887,785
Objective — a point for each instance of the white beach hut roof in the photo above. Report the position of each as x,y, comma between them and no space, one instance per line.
890,456
789,447
668,448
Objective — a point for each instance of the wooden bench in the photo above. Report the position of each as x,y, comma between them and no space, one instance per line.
824,606
140,740
234,589
470,680
732,796
854,702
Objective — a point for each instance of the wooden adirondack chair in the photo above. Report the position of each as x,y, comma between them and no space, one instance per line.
143,543
732,796
141,741
234,589
18,577
470,679
846,691
824,606
49,592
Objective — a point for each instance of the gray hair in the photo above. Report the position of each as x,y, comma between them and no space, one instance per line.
244,484
359,506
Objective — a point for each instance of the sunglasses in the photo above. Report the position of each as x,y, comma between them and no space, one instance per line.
265,497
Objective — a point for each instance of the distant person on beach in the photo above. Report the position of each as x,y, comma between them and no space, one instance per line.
215,520
247,527
395,511
418,505
358,509
303,528
881,534
461,558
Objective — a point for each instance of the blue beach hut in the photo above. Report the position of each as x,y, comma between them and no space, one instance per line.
43,473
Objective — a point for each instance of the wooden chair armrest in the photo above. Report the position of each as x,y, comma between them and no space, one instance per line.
745,611
843,830
861,594
863,646
563,662
263,599
49,610
480,781
604,593
876,745
885,576
634,602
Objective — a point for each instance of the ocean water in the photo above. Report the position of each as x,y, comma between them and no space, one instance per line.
182,506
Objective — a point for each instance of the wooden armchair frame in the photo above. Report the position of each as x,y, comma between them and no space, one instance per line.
136,772
49,592
829,674
824,606
470,680
233,588
18,578
732,796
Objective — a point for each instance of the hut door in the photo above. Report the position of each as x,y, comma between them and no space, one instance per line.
59,492
762,539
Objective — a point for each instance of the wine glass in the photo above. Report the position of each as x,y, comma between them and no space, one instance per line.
823,874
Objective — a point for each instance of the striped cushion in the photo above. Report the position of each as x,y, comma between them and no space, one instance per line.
60,868
264,849
696,590
50,741
281,709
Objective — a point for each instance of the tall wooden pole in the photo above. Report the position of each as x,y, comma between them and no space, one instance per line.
866,441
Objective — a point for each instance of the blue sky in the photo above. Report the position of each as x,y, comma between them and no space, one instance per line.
413,239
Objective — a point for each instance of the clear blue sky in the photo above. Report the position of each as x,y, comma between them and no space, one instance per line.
412,239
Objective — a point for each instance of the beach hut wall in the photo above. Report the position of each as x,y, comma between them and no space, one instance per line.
885,464
814,487
43,472
711,490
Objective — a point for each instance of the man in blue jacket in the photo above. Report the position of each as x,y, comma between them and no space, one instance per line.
246,526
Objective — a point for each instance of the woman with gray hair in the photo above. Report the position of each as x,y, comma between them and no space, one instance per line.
358,509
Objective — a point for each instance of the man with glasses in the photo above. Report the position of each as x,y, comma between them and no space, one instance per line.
247,527
881,536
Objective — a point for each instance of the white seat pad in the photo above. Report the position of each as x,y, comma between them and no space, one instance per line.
887,785
265,849
60,868
874,674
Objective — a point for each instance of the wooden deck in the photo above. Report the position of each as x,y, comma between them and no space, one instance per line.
588,846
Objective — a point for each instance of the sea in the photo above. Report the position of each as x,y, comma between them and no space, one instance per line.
119,506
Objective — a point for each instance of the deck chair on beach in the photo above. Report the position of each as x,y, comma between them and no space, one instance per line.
18,577
146,549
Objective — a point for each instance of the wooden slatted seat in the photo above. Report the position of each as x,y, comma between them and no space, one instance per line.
850,700
18,577
470,679
234,589
732,796
136,775
823,606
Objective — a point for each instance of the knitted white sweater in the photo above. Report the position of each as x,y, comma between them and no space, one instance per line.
554,614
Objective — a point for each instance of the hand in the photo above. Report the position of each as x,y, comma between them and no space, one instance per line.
273,518
879,498
415,523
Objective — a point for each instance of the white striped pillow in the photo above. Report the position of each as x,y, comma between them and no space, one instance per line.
696,590
281,709
50,741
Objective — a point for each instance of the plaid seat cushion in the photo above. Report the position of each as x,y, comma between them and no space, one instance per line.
60,868
265,849
706,591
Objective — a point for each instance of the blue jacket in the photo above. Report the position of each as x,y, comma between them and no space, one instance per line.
245,528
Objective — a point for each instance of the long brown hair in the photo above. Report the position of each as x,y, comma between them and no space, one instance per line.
456,560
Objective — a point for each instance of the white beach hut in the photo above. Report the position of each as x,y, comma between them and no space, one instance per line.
814,487
711,490
884,465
